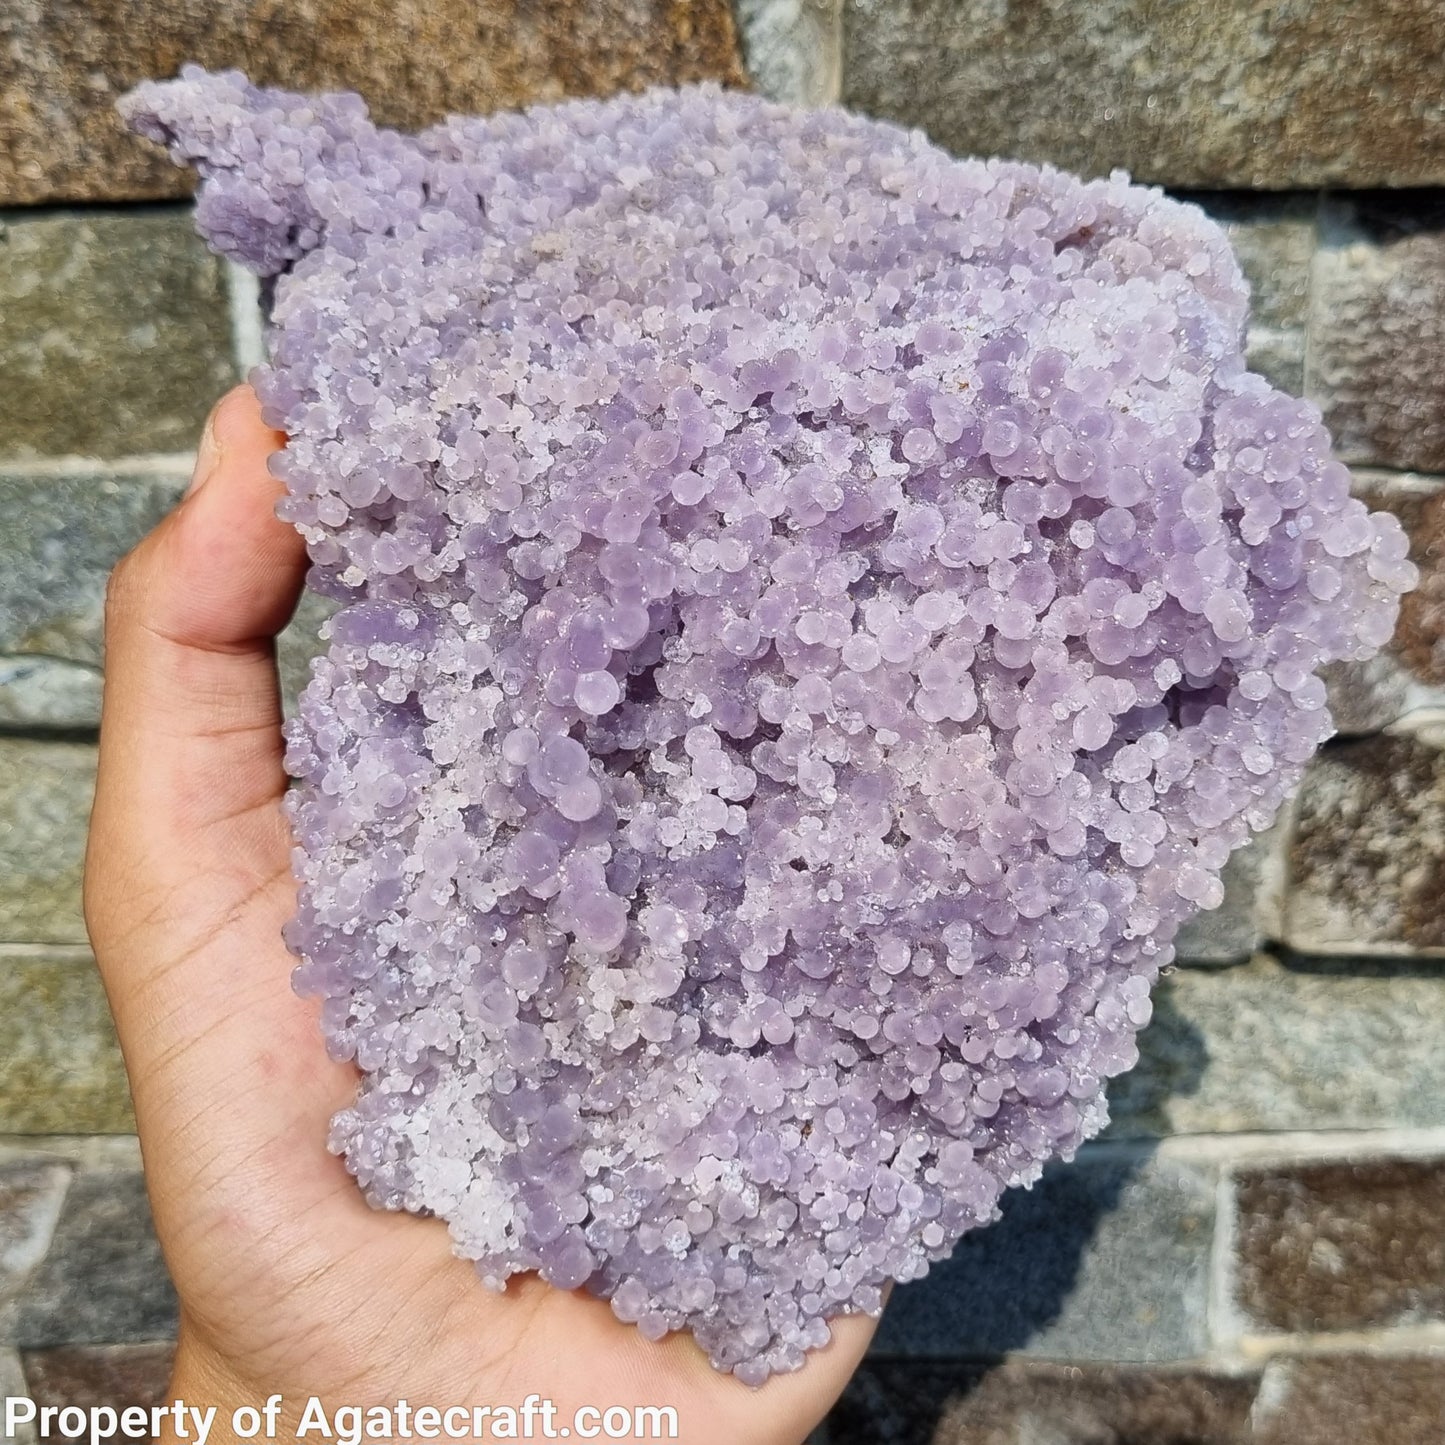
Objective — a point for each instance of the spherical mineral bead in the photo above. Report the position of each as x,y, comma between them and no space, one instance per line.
580,799
559,761
597,692
519,746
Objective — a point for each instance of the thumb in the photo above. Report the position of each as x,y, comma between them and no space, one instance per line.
191,709
187,869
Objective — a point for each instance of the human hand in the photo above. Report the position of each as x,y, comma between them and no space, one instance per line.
288,1281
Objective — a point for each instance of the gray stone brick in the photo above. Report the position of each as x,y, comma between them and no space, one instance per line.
1367,859
61,1071
103,1280
47,694
1104,1259
62,67
1250,910
1267,1047
63,533
1274,238
114,333
1196,93
45,795
32,1192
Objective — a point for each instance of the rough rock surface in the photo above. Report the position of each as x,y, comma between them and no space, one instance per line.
114,335
1377,329
816,616
1295,93
1367,861
63,63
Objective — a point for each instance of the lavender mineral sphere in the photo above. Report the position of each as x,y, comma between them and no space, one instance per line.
816,616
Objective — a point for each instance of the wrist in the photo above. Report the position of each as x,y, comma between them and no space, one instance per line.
204,1396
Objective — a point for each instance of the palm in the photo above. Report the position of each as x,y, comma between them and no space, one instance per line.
284,1273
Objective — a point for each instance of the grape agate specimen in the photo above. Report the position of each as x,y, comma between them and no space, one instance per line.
816,616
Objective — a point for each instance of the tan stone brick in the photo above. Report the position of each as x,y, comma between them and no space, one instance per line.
62,66
1193,93
114,334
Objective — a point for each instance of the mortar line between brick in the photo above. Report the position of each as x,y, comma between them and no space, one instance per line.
84,1151
61,952
39,947
1312,289
1222,1322
83,734
164,464
1337,953
23,657
12,1374
833,86
1258,1147
1427,483
248,345
1213,1150
1393,1341
1272,1396
1264,1352
1270,906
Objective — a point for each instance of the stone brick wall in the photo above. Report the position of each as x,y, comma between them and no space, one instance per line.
1255,1252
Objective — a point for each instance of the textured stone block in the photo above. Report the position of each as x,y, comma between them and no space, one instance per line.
1367,860
103,1280
63,65
62,536
894,1402
1250,910
120,1376
1195,93
114,333
61,1071
1274,238
299,643
45,794
1104,1259
1409,674
12,1385
47,694
1377,333
1352,1245
1268,1047
64,533
1352,1400
32,1192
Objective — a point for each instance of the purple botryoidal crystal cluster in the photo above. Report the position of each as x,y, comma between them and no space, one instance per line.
816,616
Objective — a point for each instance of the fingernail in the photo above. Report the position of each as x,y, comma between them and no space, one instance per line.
208,457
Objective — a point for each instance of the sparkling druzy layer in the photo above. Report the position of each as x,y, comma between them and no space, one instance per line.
817,615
